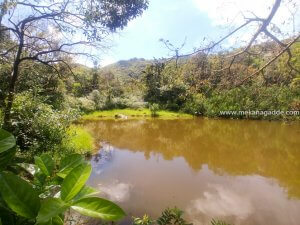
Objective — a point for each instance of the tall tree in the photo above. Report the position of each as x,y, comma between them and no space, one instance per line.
46,31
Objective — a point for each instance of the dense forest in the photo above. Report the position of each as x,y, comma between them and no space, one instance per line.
44,90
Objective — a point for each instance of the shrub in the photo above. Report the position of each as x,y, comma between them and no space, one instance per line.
36,125
195,105
98,99
86,105
173,216
154,108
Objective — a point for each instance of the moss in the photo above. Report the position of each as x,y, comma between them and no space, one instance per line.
133,114
79,140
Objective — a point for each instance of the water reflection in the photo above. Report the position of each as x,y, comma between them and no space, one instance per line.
245,171
116,191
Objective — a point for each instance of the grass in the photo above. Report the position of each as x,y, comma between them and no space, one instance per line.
79,140
134,114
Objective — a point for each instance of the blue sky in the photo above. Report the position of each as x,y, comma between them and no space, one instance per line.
169,19
175,20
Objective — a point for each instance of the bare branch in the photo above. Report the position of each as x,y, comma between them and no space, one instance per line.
271,61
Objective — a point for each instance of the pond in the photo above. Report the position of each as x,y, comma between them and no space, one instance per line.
244,172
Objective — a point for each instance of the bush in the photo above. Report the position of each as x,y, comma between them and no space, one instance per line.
247,99
195,105
154,108
86,105
36,125
98,99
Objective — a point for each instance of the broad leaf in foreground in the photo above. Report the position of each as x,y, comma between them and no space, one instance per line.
6,157
53,221
68,163
75,181
19,195
51,208
45,163
98,208
85,192
7,140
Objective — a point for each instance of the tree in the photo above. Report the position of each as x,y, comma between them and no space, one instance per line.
47,31
266,28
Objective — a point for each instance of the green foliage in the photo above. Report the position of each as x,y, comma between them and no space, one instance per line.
45,164
133,114
36,125
68,163
195,105
75,181
218,222
145,220
172,216
78,140
35,198
98,208
51,208
250,99
154,109
7,141
169,216
19,195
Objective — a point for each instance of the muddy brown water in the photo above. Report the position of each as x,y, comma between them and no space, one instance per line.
244,172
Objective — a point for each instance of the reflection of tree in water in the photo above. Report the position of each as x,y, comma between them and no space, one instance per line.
269,149
105,154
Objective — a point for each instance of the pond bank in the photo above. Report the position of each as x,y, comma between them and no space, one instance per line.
132,114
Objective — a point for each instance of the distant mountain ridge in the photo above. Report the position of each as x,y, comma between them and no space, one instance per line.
132,67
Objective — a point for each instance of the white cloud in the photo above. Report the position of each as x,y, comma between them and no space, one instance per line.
116,191
225,12
107,61
221,202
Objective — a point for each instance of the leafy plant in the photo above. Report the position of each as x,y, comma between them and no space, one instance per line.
43,194
154,109
36,125
218,222
172,216
145,220
169,216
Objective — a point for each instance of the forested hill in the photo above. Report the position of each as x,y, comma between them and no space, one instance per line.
132,67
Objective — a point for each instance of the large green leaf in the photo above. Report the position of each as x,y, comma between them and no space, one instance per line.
53,221
68,163
50,209
98,208
74,181
6,157
19,195
85,192
45,163
7,140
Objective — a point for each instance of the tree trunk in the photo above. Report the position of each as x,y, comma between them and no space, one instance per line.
12,84
11,95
